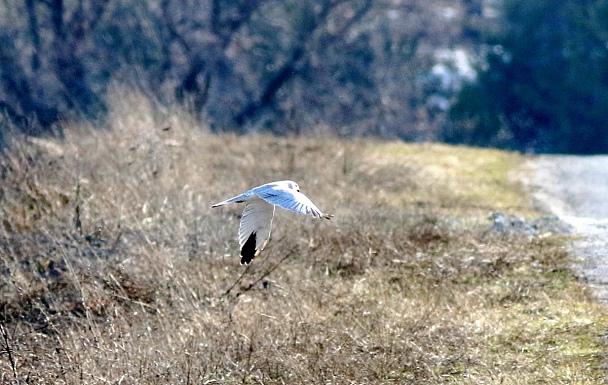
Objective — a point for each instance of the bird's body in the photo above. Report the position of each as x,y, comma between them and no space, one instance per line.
254,229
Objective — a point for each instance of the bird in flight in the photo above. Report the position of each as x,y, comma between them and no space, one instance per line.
254,229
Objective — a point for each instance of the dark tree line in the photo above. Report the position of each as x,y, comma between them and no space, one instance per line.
543,83
382,68
352,67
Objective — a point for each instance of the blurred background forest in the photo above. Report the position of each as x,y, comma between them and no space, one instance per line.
516,74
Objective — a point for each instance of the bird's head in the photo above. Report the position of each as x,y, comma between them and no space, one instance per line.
293,185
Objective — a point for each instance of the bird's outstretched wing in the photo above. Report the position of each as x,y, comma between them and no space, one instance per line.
289,199
237,199
254,229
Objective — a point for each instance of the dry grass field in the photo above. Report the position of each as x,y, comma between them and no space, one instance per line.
114,269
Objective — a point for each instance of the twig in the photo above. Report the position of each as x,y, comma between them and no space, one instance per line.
117,240
238,280
9,351
76,220
247,269
266,274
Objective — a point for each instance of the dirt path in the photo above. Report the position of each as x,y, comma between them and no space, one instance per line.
575,188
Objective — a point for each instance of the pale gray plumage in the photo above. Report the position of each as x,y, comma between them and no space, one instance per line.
257,218
254,229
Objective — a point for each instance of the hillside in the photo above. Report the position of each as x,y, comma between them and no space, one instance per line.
116,270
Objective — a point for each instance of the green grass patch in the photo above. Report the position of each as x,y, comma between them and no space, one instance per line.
459,180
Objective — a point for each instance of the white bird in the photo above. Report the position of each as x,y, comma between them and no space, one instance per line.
254,229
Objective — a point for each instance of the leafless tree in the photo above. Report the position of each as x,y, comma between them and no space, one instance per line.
354,67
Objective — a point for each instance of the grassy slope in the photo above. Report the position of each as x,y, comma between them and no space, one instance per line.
114,268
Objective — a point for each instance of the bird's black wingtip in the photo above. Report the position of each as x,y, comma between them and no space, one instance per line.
248,251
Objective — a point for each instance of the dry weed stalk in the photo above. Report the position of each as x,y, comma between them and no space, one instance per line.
8,350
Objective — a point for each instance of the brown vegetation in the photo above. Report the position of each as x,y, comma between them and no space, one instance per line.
114,269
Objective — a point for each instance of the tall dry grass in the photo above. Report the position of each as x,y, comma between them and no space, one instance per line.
114,269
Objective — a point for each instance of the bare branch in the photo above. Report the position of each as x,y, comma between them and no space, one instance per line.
290,68
9,351
34,32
